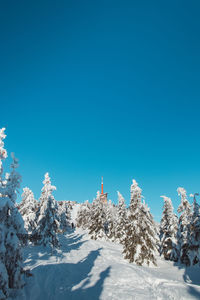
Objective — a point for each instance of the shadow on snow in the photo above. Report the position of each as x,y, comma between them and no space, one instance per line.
66,281
33,254
62,280
191,276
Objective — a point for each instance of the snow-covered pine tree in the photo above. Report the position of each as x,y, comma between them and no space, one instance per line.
168,231
63,214
3,228
97,226
28,208
121,219
47,218
184,227
194,251
83,215
110,224
11,227
141,235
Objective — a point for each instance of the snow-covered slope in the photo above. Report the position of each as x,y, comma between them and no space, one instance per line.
87,269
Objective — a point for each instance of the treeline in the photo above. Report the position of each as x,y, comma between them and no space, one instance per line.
176,238
133,227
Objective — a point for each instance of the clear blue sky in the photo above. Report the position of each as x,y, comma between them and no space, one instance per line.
112,88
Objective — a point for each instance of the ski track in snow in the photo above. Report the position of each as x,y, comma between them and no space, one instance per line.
88,269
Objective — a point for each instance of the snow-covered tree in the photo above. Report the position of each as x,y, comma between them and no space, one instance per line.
110,224
47,218
11,227
97,227
141,235
184,227
194,251
168,231
3,152
28,208
83,215
63,214
121,219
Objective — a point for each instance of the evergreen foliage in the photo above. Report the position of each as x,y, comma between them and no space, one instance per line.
11,227
63,215
83,215
28,208
168,231
141,236
194,251
47,218
121,219
97,227
184,227
110,221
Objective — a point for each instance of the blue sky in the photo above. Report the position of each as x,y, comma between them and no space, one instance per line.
103,88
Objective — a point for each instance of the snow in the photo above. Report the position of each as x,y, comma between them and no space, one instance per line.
86,269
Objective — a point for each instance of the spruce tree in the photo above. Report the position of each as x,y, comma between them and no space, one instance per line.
47,218
97,227
184,227
83,215
28,208
110,221
168,231
121,219
11,227
141,236
194,251
63,215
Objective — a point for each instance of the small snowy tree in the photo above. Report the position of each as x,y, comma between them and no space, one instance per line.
11,227
184,227
141,235
121,219
168,231
110,220
28,208
47,218
3,152
97,227
63,214
194,251
83,215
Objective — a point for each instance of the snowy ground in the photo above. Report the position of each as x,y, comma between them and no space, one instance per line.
87,269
